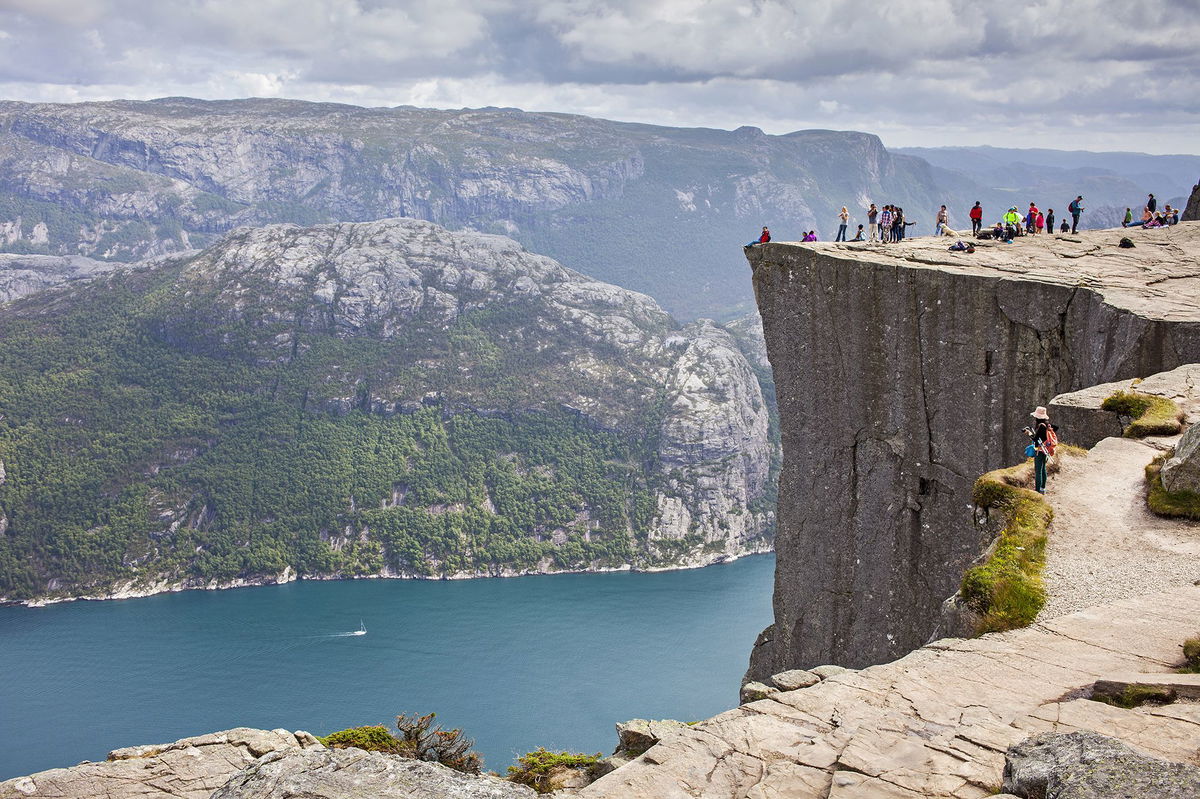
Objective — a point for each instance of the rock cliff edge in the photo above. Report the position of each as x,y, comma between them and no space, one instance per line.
903,372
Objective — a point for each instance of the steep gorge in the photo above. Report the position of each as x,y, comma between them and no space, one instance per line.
904,372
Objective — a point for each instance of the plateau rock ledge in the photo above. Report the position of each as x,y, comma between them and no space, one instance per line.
903,372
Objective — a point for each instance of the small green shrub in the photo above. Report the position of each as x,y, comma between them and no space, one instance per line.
1174,504
535,769
1151,415
374,738
1191,655
419,739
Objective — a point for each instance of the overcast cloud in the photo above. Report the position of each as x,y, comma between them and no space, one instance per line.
1086,74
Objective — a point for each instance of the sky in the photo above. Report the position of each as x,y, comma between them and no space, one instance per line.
1069,74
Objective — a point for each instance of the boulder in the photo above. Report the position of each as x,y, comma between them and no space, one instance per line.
1181,472
354,773
1087,765
794,679
1191,213
754,691
825,672
191,768
637,735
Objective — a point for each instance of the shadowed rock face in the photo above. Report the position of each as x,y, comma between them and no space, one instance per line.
1192,212
904,372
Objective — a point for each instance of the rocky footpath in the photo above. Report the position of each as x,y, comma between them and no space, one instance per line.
939,722
905,371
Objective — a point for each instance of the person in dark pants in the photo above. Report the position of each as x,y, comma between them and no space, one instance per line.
1151,204
1049,220
1038,434
976,218
1076,208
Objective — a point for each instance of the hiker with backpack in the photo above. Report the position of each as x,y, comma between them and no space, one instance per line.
1076,208
1043,438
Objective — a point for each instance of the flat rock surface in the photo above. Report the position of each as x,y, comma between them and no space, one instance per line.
356,774
1104,542
937,722
1158,279
191,768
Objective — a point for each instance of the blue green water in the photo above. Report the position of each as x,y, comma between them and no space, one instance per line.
518,663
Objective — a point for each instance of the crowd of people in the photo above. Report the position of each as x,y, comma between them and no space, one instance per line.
1151,216
887,225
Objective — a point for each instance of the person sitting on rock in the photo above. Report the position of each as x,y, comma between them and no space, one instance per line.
1128,218
1012,224
763,239
859,235
1064,227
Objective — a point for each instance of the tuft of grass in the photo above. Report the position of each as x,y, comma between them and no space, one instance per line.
536,769
1150,415
1191,656
1007,590
1137,695
1173,504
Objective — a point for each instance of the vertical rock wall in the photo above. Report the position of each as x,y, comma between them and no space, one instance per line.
898,383
1191,213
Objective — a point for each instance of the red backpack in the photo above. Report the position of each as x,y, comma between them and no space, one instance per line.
1051,442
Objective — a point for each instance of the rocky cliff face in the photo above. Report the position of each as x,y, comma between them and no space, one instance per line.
28,274
1192,212
902,373
650,208
379,398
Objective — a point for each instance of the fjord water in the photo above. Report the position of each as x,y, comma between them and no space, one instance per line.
518,663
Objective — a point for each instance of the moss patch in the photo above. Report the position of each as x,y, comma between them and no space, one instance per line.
1137,695
374,738
1150,415
1007,591
1174,504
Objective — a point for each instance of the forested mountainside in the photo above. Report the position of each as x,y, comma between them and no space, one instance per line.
359,399
655,209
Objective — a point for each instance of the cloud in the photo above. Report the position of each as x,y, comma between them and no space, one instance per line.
1042,73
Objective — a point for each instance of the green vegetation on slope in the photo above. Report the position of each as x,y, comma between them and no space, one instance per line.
537,769
1178,504
418,738
1006,590
1149,415
140,444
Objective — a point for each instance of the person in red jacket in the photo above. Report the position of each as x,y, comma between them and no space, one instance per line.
976,219
1031,219
763,239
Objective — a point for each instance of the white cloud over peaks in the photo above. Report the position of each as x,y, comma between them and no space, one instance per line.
1042,72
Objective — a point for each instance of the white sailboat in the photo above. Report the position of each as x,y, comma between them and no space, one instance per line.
362,628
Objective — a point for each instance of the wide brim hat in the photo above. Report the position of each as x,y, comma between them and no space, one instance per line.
1040,413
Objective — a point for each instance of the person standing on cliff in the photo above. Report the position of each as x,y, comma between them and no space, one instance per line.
1050,220
1076,208
976,218
1044,439
844,219
885,224
943,217
872,218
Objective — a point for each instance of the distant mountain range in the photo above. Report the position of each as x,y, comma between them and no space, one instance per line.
1109,182
656,209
